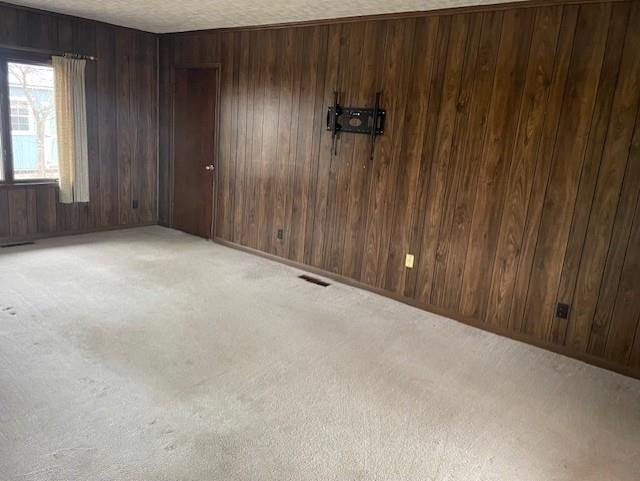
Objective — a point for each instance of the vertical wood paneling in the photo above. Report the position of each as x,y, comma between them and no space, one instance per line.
366,79
309,177
619,246
439,150
626,313
592,161
462,217
322,173
415,124
268,146
607,194
399,68
239,199
286,40
46,210
18,213
125,74
289,156
496,158
5,228
165,58
523,164
509,164
121,87
544,163
340,164
106,91
225,165
573,131
457,159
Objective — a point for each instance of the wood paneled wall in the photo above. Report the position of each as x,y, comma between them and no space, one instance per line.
122,127
510,164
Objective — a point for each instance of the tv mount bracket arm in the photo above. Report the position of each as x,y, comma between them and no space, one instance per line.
355,120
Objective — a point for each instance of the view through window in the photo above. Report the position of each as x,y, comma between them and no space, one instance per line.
33,121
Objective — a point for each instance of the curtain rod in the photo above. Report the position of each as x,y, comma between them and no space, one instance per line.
47,51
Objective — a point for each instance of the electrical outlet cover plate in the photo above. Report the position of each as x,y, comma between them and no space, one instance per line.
562,311
408,261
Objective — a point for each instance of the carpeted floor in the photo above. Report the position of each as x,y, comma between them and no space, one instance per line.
150,355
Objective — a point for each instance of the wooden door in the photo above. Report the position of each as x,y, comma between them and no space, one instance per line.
194,127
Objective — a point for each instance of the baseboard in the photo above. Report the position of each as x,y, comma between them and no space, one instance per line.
93,230
562,350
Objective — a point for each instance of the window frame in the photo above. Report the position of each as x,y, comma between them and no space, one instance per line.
8,56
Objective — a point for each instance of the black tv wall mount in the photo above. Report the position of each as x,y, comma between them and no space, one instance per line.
355,120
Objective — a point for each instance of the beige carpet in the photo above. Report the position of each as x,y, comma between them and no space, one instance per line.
151,355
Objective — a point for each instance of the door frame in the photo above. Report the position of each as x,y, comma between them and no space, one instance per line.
216,137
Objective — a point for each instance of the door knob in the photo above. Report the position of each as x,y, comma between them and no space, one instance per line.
208,167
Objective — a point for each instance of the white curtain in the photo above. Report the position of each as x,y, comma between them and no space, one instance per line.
71,123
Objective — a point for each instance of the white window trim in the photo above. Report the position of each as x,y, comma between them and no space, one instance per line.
32,120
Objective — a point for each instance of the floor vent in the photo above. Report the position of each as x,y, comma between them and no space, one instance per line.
17,244
314,280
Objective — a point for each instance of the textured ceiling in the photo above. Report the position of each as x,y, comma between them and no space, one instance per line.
162,16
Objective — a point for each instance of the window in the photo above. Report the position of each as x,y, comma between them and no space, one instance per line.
20,116
30,140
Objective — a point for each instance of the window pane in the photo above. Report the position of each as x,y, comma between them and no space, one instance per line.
33,121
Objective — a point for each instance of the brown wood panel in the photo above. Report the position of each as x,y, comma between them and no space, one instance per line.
317,232
415,125
472,154
508,166
607,194
228,115
287,40
240,147
457,160
592,161
626,313
19,221
544,163
121,86
523,165
365,83
398,70
349,65
46,210
618,248
308,150
5,227
125,74
106,82
258,66
441,148
267,149
573,130
497,156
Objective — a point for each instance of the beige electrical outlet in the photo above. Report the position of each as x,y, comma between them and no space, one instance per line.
408,261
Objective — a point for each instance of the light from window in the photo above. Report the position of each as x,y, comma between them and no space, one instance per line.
33,121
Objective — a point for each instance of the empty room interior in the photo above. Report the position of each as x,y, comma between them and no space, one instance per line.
307,241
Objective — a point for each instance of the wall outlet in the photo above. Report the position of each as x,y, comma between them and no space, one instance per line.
562,311
408,261
280,234
135,204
